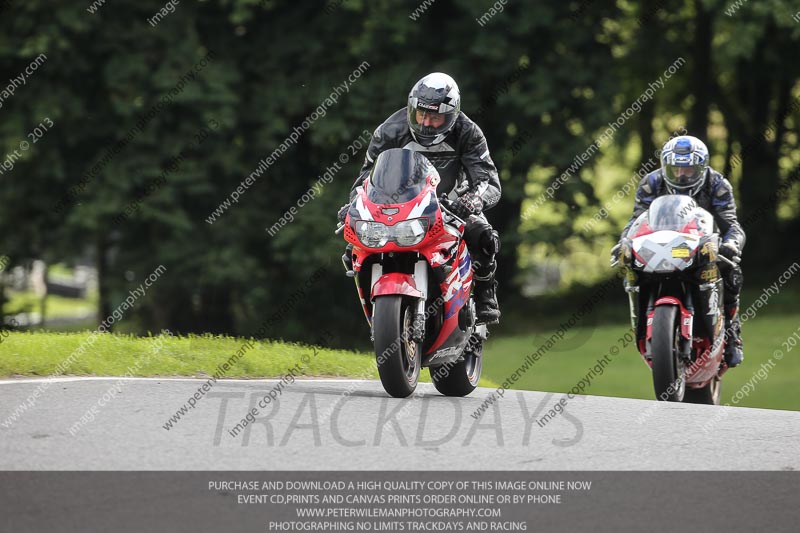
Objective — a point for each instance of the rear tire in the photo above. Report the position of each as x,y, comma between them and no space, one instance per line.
461,378
708,395
668,378
396,353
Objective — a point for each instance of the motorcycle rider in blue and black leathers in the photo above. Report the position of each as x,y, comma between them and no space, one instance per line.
684,170
433,125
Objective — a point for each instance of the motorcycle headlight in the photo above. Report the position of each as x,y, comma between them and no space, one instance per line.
372,234
406,233
409,232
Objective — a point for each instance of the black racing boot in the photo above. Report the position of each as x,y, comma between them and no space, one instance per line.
486,300
733,337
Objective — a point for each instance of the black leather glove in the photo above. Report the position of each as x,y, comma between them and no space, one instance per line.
467,204
730,249
342,215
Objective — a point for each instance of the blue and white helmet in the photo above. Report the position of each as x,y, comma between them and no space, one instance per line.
684,161
436,94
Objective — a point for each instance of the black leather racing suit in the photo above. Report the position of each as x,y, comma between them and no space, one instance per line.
464,164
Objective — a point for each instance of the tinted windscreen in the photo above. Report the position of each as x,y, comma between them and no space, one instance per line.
398,176
674,212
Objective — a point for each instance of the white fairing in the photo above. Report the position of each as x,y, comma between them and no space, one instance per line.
418,209
363,212
665,251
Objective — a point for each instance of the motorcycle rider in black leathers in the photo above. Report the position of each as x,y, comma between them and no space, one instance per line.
433,124
684,170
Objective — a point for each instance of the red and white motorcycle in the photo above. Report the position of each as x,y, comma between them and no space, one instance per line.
413,274
670,257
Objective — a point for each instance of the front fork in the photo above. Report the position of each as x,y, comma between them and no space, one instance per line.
632,290
421,281
684,341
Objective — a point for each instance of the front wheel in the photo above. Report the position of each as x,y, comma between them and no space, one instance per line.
668,370
461,378
397,354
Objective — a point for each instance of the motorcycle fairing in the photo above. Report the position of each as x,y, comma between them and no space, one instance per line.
442,247
665,251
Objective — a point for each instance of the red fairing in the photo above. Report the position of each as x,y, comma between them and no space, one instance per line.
396,283
669,300
644,229
706,364
438,247
691,228
642,347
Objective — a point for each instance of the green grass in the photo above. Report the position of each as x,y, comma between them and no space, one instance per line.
40,353
57,306
569,360
560,369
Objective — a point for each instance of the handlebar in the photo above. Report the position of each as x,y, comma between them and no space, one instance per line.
444,205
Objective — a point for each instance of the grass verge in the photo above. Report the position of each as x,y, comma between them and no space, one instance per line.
41,353
773,386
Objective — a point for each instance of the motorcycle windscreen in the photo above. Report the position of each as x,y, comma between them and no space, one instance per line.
677,212
398,176
636,227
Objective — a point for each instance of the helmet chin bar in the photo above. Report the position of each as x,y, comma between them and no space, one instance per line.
691,190
428,140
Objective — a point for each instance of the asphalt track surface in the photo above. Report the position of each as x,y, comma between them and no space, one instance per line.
353,425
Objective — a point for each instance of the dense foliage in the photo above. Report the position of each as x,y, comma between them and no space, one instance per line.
155,126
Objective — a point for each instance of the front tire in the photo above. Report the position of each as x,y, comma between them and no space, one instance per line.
668,373
461,378
398,356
